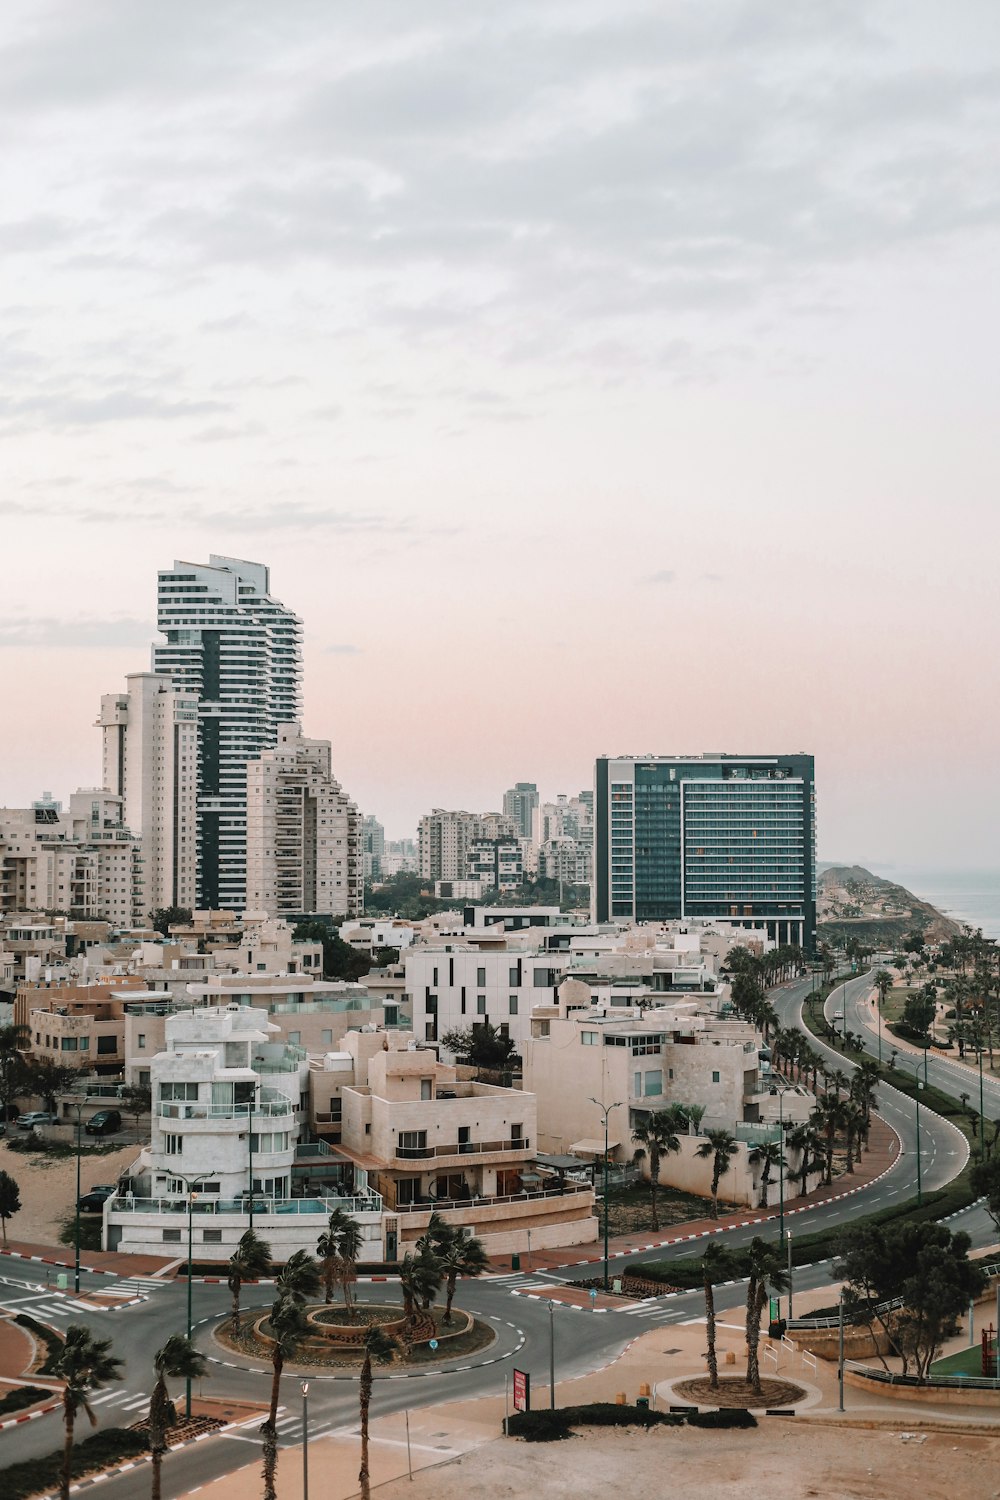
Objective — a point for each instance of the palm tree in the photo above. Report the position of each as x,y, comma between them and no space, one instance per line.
328,1249
768,1152
348,1250
287,1326
716,1266
300,1278
419,1281
179,1359
721,1146
655,1138
765,1266
828,1117
854,1122
380,1348
805,1140
460,1257
250,1261
84,1365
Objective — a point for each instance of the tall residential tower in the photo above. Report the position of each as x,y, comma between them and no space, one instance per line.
236,651
729,837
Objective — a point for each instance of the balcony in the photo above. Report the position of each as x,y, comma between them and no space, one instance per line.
263,1203
446,1205
460,1148
240,1112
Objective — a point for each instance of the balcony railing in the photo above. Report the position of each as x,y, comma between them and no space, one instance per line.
460,1148
446,1204
223,1111
263,1203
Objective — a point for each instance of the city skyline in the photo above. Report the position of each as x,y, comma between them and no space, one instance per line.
601,379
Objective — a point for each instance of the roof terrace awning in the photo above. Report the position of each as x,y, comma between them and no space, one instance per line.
591,1147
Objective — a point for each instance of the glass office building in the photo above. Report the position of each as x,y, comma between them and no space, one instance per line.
729,838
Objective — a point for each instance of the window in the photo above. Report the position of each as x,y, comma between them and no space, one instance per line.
426,1088
327,1038
481,976
716,1076
178,1091
412,1143
140,1040
480,1005
212,1236
588,1038
171,1236
512,1003
514,974
517,1132
69,1044
637,1085
173,1145
295,1038
653,1082
107,1044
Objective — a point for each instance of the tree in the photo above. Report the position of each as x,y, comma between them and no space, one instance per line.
137,1100
287,1326
481,1047
166,917
380,1348
10,1200
828,1116
766,1269
84,1365
768,1152
340,960
420,1280
14,1066
716,1266
328,1249
922,1265
47,1079
250,1261
656,1137
338,1250
721,1146
461,1256
984,1180
918,1013
180,1360
805,1142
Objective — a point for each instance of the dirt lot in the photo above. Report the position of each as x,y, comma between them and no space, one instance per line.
48,1188
779,1459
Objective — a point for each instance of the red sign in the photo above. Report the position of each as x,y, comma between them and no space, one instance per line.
522,1390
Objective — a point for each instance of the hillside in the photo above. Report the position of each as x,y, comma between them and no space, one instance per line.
852,902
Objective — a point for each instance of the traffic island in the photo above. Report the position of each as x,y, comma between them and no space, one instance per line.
336,1338
735,1392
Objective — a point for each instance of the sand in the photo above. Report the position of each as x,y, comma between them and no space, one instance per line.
48,1188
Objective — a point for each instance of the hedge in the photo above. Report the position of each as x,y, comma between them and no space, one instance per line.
22,1396
53,1343
552,1426
36,1475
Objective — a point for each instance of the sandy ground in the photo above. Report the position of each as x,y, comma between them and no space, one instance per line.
48,1188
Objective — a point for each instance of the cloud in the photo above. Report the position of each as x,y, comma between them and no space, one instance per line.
664,576
65,410
86,633
343,650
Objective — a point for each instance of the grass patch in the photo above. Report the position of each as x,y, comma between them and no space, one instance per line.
28,1144
25,1395
36,1475
44,1335
629,1211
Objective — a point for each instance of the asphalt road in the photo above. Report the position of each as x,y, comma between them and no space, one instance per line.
584,1340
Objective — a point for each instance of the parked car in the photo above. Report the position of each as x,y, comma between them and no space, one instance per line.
34,1118
105,1122
94,1201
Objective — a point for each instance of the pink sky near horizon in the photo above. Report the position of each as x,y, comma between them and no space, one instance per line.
619,379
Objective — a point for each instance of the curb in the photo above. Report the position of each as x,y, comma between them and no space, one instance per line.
30,1416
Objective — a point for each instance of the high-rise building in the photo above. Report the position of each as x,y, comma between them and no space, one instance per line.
150,760
444,839
519,804
373,846
235,650
84,863
303,833
724,837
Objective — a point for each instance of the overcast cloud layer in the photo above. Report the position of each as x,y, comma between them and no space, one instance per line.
595,376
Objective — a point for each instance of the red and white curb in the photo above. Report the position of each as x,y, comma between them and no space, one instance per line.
29,1416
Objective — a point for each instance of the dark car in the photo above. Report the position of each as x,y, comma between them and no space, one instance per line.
94,1201
105,1122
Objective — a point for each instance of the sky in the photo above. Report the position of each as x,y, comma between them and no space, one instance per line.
594,376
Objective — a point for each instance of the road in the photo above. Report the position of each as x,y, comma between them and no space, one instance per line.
584,1340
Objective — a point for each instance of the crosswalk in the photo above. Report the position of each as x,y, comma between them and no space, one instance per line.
523,1281
42,1303
125,1400
656,1312
133,1286
288,1427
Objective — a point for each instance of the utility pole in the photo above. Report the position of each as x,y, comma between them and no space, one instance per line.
606,1111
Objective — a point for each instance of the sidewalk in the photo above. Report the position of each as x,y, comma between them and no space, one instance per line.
882,1153
92,1262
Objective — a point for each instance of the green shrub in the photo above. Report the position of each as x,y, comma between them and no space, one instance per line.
36,1475
53,1343
22,1396
733,1417
548,1426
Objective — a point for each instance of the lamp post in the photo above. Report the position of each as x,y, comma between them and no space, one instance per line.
788,1239
982,1116
250,1147
76,1237
605,1110
305,1440
920,1193
189,1183
552,1356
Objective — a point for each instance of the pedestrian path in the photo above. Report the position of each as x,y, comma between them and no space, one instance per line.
43,1303
126,1399
134,1286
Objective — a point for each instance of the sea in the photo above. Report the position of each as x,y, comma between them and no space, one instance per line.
968,896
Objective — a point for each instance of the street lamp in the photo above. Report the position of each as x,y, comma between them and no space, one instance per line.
790,1288
982,1116
305,1439
189,1183
606,1110
76,1237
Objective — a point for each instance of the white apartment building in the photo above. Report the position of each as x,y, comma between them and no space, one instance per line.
457,985
228,1105
84,863
496,863
149,757
303,834
372,847
444,838
236,651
